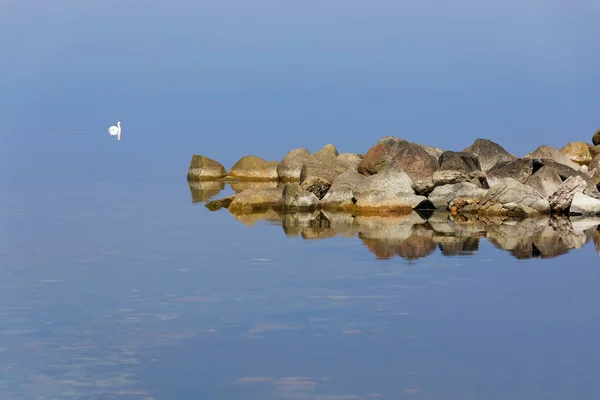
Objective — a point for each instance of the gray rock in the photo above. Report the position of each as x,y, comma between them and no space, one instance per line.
399,143
339,200
545,181
204,169
348,161
297,200
442,195
255,169
319,169
459,161
553,154
389,180
439,178
512,198
317,186
348,180
560,201
327,154
596,138
489,153
563,171
519,170
290,167
584,205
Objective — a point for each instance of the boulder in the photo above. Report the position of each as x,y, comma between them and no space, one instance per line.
255,200
488,153
295,199
348,161
254,168
290,167
596,138
205,169
339,200
594,150
319,169
552,154
383,203
327,154
519,169
594,164
509,197
584,205
399,143
389,180
415,161
560,201
545,181
459,161
442,195
349,180
317,186
563,171
439,178
578,152
376,158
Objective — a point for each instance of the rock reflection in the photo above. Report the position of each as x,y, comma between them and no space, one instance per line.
204,191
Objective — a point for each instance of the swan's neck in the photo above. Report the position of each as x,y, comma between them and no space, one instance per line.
119,124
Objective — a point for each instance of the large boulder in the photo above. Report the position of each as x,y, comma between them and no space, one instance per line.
339,200
519,169
488,153
578,152
255,200
545,181
253,168
441,196
290,167
295,199
563,171
205,169
584,205
327,154
389,180
560,201
349,180
399,143
512,198
319,169
552,154
459,161
348,161
596,138
383,203
415,161
378,157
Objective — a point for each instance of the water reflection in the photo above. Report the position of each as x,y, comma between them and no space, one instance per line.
418,235
204,191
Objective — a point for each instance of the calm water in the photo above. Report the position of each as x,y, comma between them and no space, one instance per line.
134,290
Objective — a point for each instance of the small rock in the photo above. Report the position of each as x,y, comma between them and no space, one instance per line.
560,201
205,169
584,205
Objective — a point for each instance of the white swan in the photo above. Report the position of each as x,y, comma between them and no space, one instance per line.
115,130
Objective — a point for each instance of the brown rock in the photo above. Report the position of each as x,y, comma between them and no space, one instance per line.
415,161
488,153
254,169
254,200
382,203
459,161
376,158
317,186
398,143
578,152
596,138
327,154
290,167
205,169
560,201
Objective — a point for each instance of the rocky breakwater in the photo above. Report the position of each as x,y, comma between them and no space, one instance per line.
396,177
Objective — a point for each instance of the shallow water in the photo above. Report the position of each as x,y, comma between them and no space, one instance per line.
135,290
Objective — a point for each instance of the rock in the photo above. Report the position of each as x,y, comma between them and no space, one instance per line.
348,161
584,169
560,201
584,205
596,239
254,169
382,203
519,169
462,204
398,143
415,161
339,200
290,167
327,154
596,138
594,150
319,169
578,152
254,200
218,204
295,199
205,169
552,154
442,195
545,181
349,180
563,171
378,157
595,163
317,186
424,186
459,161
509,197
389,180
439,178
488,153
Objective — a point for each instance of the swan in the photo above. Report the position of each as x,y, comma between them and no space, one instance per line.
115,130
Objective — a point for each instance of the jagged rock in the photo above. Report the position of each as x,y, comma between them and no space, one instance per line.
459,161
442,195
295,199
489,153
462,204
545,181
205,169
512,198
218,204
596,138
255,169
348,161
578,152
317,186
519,169
339,200
553,154
327,154
584,205
383,203
253,200
290,167
560,201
